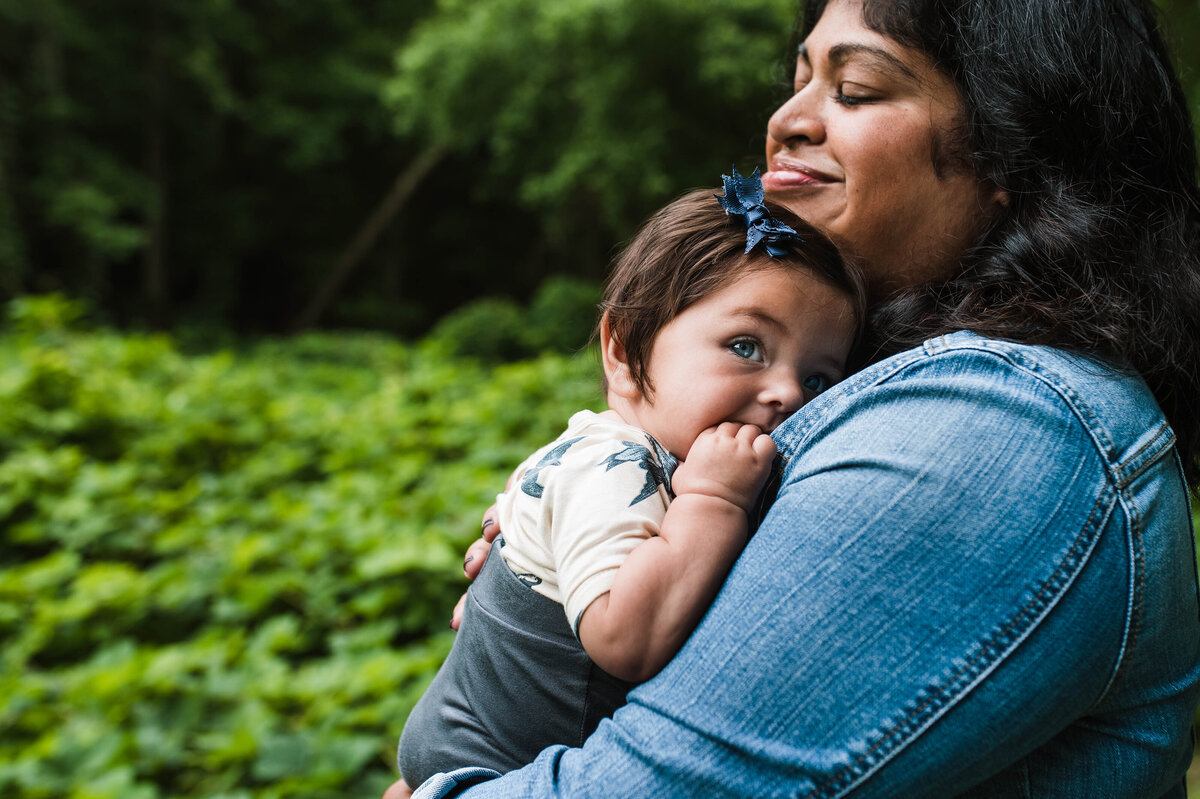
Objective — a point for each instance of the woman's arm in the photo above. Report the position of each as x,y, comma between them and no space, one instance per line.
942,591
663,588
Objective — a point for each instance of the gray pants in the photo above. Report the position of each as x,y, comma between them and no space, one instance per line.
516,681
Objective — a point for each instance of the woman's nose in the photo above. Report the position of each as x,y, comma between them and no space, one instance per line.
798,119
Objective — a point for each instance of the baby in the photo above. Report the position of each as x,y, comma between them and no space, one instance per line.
718,321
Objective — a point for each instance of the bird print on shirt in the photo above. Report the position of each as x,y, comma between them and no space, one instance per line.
658,469
656,475
530,484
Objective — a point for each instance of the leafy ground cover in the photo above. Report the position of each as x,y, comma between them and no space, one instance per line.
229,574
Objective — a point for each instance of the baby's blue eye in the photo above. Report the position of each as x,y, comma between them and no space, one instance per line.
746,349
817,384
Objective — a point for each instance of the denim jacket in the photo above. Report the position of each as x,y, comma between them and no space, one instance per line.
978,579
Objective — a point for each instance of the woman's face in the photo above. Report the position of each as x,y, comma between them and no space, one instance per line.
864,150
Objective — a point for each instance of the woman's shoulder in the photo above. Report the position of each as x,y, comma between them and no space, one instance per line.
973,385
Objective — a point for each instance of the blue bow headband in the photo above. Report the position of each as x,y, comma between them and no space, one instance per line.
744,198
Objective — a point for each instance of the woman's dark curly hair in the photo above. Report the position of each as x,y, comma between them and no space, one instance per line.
1073,108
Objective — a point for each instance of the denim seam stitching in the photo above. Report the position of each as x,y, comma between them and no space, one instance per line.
1118,476
1035,369
993,649
1137,583
1187,494
1114,465
1051,378
1138,553
1044,374
1118,469
933,348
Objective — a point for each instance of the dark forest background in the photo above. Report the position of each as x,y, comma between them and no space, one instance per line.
215,167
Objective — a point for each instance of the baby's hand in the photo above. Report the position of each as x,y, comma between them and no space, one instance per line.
729,461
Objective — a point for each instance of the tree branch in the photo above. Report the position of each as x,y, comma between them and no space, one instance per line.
403,187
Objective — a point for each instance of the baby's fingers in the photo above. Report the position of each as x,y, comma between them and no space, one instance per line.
748,433
764,447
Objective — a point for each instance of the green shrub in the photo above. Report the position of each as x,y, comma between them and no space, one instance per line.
44,313
562,314
492,330
559,319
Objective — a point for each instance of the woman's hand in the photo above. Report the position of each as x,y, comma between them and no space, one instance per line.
473,561
398,790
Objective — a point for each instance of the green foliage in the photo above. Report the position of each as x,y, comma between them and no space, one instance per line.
614,136
207,164
560,319
1181,23
227,575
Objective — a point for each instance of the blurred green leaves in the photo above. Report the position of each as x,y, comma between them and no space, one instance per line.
228,574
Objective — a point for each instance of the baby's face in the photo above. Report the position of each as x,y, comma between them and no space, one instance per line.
752,352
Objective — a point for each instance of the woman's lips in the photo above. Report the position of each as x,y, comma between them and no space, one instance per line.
786,176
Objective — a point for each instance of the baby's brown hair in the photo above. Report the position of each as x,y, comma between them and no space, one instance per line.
690,249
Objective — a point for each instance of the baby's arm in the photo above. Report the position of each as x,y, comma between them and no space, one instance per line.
666,584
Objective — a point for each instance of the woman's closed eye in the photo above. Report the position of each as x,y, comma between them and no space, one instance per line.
747,348
851,94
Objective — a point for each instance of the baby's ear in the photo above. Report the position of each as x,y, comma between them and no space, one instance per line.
617,376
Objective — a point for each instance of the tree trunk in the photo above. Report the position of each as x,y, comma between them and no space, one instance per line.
405,184
13,265
154,269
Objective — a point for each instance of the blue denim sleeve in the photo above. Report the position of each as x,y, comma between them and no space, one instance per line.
947,595
447,783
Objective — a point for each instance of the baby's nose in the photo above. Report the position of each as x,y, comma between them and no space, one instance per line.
784,393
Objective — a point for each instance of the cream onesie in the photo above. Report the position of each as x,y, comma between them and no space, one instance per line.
517,679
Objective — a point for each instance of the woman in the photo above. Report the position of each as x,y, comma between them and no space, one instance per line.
978,576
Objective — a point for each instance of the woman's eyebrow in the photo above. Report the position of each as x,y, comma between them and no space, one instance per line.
839,54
